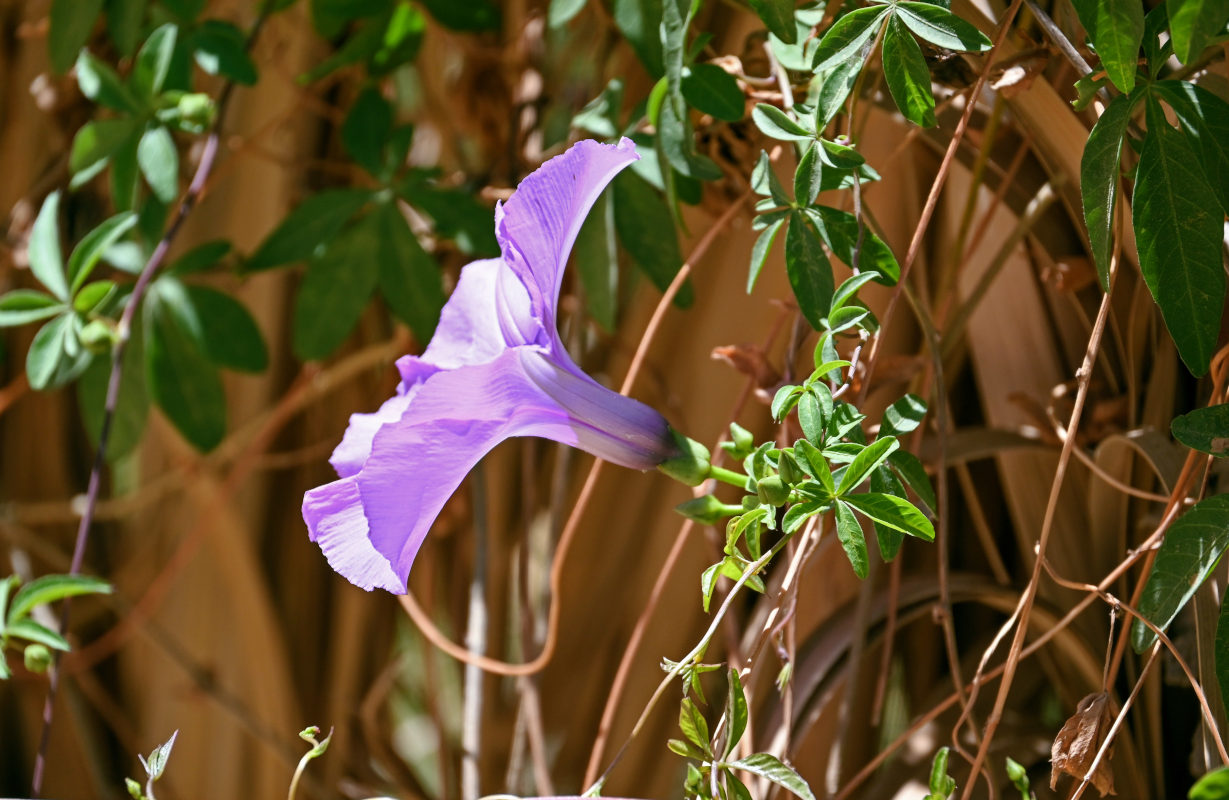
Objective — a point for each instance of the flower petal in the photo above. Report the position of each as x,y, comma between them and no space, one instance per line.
538,225
371,524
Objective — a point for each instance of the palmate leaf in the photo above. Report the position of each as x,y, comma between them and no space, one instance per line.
1178,232
941,27
49,589
907,76
1205,116
770,767
865,462
181,379
852,539
409,279
839,230
312,223
1192,547
1204,429
894,512
1193,24
778,17
845,39
72,21
1099,180
710,89
21,306
1116,30
335,290
808,268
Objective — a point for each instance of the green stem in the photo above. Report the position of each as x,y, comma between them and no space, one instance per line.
728,476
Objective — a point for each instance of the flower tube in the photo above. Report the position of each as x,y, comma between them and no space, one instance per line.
495,369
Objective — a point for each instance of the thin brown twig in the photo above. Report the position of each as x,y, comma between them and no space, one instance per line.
1084,377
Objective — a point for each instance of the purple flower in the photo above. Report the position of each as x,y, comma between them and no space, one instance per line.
495,369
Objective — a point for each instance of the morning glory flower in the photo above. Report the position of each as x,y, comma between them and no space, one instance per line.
495,369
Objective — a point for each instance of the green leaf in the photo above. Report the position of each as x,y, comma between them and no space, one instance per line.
335,291
124,18
314,222
229,335
409,278
1214,785
458,216
96,142
903,416
1221,654
153,61
759,252
764,182
132,407
775,123
849,533
839,155
89,250
562,11
890,539
941,784
809,176
159,162
910,470
600,116
32,631
367,128
692,723
1099,180
472,15
639,22
810,274
646,231
865,462
72,22
1204,116
712,90
99,83
907,76
840,230
49,589
811,415
1204,429
398,40
181,380
736,711
1192,546
199,258
125,175
778,17
784,401
939,26
1193,24
56,356
156,764
676,141
848,289
836,82
1116,30
845,40
685,749
27,305
769,767
597,261
894,512
220,48
1178,229
44,249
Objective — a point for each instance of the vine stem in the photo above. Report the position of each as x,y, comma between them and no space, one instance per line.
196,189
932,198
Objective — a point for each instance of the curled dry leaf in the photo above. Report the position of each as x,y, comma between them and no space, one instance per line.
1014,75
751,361
1077,743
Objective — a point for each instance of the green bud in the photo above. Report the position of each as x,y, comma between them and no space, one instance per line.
772,490
742,440
791,473
707,510
196,112
134,789
98,336
691,466
38,658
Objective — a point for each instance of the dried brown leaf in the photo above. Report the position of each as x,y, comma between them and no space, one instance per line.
1077,743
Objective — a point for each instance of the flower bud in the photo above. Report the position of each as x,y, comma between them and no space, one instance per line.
707,510
37,657
691,466
773,491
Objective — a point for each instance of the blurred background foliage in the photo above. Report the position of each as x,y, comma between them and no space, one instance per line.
353,152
